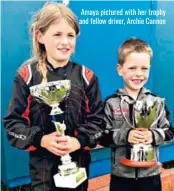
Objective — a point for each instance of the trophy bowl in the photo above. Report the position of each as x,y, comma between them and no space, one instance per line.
146,116
52,93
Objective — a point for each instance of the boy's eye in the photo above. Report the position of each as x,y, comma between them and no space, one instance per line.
145,68
57,34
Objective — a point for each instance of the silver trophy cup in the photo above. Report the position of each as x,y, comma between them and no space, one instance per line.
52,93
146,116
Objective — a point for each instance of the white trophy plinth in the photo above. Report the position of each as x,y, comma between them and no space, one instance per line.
69,176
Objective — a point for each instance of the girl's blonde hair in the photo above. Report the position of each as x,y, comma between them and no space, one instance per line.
133,45
41,21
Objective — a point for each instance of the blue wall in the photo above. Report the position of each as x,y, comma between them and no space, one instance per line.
96,48
15,49
163,78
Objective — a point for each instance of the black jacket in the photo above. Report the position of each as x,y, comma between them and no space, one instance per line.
27,120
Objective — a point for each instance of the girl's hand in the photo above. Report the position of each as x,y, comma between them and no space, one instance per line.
73,144
56,143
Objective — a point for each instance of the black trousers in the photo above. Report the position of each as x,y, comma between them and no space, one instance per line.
46,187
152,183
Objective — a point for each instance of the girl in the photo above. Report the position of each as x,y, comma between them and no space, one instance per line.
28,124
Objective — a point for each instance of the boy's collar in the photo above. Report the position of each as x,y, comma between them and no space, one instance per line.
123,92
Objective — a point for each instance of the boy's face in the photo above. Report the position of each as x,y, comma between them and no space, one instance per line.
59,40
135,72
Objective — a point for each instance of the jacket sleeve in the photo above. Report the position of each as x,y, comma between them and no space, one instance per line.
115,134
17,122
164,131
89,131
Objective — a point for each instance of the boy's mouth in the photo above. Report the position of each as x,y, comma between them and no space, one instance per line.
137,81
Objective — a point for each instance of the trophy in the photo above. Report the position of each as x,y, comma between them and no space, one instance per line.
146,116
52,93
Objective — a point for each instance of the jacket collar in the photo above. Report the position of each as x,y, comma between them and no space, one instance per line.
143,92
51,68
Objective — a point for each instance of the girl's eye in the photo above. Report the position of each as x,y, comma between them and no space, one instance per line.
132,68
145,68
71,35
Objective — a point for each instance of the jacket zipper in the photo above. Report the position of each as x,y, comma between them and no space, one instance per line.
133,121
136,173
114,152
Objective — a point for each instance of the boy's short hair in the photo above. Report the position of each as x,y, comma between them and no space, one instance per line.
133,45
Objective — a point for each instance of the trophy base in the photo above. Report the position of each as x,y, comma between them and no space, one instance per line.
72,180
142,164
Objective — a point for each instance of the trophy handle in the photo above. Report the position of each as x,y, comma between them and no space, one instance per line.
122,99
162,110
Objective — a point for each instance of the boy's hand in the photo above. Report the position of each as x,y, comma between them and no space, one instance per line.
135,137
148,139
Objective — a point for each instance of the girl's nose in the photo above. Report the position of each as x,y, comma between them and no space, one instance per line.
64,40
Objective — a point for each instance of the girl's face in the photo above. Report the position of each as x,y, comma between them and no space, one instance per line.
59,40
135,72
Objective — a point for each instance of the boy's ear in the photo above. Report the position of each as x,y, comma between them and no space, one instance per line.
39,37
119,69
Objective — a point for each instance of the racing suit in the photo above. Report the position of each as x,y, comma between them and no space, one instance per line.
28,120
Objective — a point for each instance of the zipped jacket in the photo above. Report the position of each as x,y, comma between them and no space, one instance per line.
28,120
120,119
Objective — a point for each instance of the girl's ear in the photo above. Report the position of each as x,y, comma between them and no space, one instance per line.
39,37
119,69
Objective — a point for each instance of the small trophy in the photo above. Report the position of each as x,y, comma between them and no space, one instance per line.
143,155
52,93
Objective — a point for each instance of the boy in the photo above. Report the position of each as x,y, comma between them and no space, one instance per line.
134,57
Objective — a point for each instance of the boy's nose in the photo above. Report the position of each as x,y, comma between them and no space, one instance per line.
138,72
